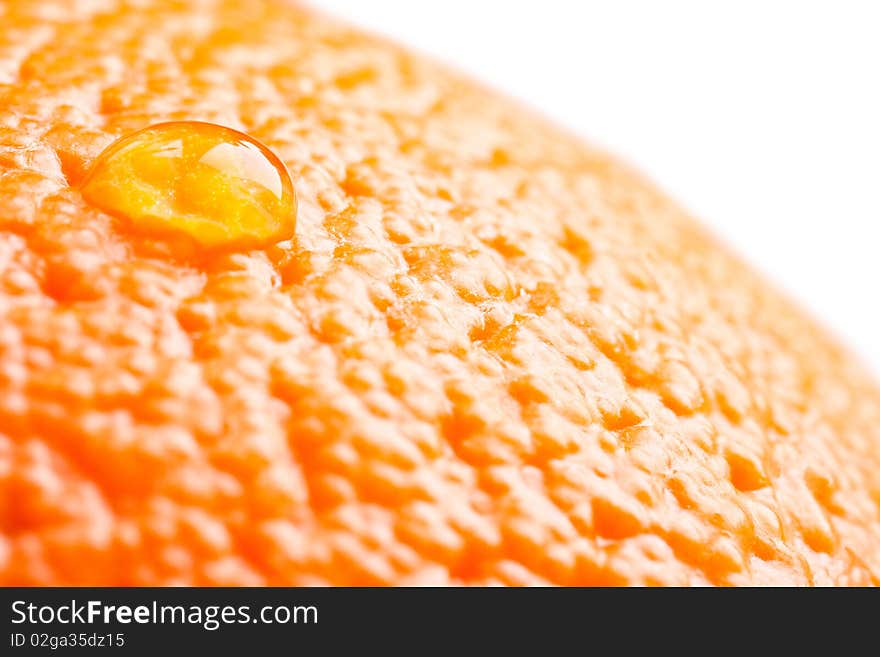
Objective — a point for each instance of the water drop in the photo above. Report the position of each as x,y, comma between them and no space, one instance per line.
214,185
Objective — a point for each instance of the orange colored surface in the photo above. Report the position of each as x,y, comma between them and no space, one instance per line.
490,354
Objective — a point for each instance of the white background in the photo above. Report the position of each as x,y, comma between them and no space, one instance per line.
762,118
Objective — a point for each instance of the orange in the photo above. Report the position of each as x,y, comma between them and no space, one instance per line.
489,354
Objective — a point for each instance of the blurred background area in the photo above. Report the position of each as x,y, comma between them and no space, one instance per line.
762,118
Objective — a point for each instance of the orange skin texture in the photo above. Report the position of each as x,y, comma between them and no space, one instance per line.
490,354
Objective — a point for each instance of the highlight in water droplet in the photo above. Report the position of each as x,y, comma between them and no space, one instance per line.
215,185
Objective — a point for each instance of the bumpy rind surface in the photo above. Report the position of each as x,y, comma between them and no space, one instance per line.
491,354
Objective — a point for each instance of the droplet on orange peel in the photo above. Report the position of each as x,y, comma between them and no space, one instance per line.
217,186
